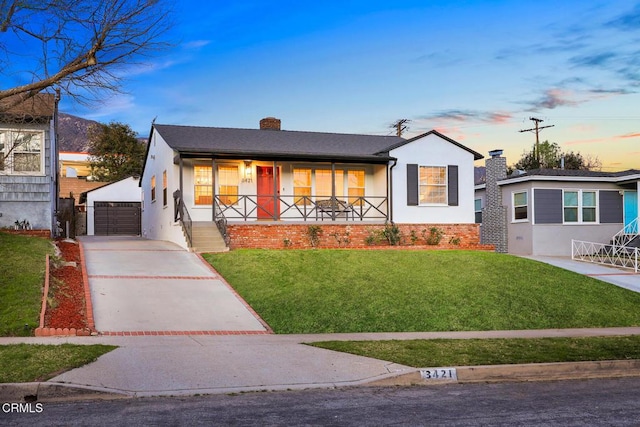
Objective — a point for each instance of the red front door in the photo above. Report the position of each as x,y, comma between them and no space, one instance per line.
268,206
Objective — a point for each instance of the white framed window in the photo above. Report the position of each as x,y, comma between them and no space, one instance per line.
477,208
432,183
323,183
520,204
202,185
355,186
153,188
21,152
228,180
164,188
301,185
579,206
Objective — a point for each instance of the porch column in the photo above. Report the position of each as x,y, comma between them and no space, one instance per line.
213,189
276,207
178,195
389,181
181,165
333,191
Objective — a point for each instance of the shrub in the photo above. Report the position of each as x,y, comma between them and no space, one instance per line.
314,232
392,233
434,236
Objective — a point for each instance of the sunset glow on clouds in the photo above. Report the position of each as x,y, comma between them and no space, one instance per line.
475,70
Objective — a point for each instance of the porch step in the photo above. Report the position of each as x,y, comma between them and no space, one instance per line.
206,238
632,240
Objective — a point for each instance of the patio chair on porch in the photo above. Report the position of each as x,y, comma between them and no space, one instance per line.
328,207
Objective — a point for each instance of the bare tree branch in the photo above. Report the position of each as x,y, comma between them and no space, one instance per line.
84,44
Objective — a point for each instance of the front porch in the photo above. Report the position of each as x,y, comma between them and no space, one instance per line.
300,208
260,190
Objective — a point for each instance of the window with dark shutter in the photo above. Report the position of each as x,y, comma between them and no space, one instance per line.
412,185
452,185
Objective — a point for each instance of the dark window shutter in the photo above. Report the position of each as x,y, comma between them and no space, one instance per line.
452,185
611,207
412,185
547,206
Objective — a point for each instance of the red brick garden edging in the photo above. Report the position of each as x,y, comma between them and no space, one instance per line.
43,331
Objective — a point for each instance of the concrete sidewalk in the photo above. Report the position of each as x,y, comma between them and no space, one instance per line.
188,365
624,278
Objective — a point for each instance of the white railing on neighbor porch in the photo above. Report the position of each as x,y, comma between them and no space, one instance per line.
627,234
599,253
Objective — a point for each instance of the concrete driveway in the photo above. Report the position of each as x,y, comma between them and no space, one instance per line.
150,287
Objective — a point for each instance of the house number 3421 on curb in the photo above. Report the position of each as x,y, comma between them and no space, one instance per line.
439,374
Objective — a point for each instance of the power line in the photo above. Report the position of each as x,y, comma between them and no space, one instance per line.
537,130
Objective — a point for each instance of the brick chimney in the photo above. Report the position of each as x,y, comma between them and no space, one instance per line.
494,214
270,123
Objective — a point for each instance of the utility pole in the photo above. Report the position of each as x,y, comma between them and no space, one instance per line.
400,126
537,130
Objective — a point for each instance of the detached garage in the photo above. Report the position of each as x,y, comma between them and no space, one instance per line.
114,209
111,218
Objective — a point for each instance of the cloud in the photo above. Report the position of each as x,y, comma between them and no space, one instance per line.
594,60
554,98
439,59
469,116
116,104
602,140
629,135
627,21
196,44
611,91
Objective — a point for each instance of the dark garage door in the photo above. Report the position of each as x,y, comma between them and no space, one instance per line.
116,218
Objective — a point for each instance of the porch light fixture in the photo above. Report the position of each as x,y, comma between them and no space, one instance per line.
247,171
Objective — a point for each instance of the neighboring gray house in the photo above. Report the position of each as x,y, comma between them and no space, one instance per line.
28,164
540,212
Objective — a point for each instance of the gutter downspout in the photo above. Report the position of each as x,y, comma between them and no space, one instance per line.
390,190
55,167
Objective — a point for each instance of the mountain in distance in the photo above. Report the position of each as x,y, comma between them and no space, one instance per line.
72,133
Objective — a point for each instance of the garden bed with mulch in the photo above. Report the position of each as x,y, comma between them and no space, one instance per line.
66,310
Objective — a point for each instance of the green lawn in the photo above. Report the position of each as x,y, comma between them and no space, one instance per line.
21,282
473,352
29,363
323,291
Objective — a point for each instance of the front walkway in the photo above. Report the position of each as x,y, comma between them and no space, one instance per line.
621,277
150,287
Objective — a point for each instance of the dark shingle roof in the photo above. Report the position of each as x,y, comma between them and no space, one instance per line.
23,109
275,144
569,173
476,155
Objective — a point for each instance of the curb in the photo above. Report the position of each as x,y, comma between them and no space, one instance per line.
60,392
54,392
523,373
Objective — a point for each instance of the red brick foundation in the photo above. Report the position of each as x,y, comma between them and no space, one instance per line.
36,233
360,236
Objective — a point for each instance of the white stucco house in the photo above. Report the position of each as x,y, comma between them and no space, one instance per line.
268,176
114,209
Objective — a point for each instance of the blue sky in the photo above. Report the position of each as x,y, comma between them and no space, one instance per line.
474,70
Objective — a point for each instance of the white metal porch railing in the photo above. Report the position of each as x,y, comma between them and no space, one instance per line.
600,253
627,234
